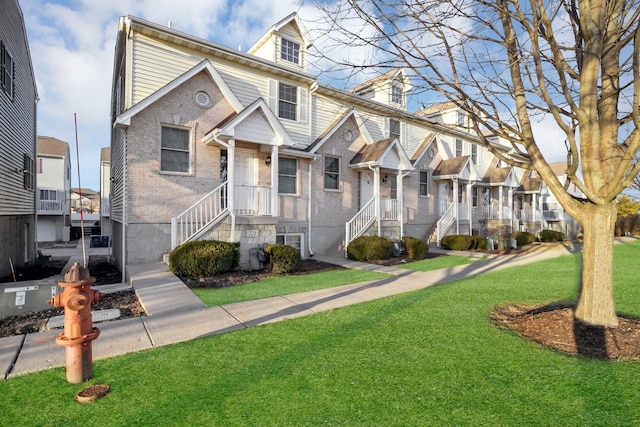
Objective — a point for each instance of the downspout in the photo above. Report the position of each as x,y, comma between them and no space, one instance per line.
312,90
376,195
456,204
124,208
231,149
309,207
401,177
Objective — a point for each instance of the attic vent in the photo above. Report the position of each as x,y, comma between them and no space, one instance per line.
202,99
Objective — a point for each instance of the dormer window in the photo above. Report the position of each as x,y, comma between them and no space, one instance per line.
462,119
290,51
396,94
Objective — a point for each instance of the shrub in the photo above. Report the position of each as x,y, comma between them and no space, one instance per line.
457,242
284,259
523,238
204,258
550,236
416,248
368,248
478,242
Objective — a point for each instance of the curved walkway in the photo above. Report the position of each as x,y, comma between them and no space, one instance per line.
175,314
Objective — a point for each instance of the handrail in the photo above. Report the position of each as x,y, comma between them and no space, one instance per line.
360,221
445,222
199,216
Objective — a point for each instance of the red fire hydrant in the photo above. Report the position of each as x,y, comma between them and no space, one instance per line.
79,332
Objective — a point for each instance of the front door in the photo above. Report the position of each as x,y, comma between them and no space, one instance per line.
246,178
443,197
366,188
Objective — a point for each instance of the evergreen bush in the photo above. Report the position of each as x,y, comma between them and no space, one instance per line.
416,248
369,248
524,238
284,259
204,258
550,236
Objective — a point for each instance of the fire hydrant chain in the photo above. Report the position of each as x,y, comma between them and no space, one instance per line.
79,332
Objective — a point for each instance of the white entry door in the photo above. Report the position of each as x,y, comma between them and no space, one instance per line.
443,197
366,187
246,178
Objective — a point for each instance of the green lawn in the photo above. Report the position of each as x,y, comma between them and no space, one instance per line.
426,358
285,285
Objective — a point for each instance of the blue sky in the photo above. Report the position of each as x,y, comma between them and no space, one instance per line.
72,45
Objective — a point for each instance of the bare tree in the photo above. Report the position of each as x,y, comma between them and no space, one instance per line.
510,64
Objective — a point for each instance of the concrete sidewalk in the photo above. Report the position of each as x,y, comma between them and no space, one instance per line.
175,314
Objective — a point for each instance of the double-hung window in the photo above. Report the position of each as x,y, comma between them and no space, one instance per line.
394,128
424,183
458,147
174,150
29,171
396,94
6,70
287,175
287,101
331,173
474,154
290,51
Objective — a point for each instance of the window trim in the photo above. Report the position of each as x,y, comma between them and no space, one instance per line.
396,94
3,71
425,183
338,173
458,140
293,51
475,154
295,177
284,238
398,128
189,151
291,103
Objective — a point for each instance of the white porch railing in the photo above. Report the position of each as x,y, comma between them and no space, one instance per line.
552,215
360,222
445,222
51,207
463,211
195,220
389,209
253,200
496,212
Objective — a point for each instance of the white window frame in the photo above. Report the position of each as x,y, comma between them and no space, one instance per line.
425,183
475,154
396,94
301,107
285,88
188,150
460,152
398,128
291,52
324,173
285,240
282,160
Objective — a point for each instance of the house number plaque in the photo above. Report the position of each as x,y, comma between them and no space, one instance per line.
251,233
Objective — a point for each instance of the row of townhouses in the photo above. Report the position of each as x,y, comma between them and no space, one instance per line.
212,142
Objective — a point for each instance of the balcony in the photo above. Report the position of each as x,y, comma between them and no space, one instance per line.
50,207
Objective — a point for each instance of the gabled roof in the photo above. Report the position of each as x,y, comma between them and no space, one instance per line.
124,119
329,131
291,18
437,108
374,154
227,128
500,176
457,167
530,183
389,75
47,145
423,147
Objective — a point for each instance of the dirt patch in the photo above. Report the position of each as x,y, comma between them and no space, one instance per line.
554,326
100,268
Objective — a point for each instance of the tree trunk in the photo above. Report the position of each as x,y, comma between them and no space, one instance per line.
595,303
